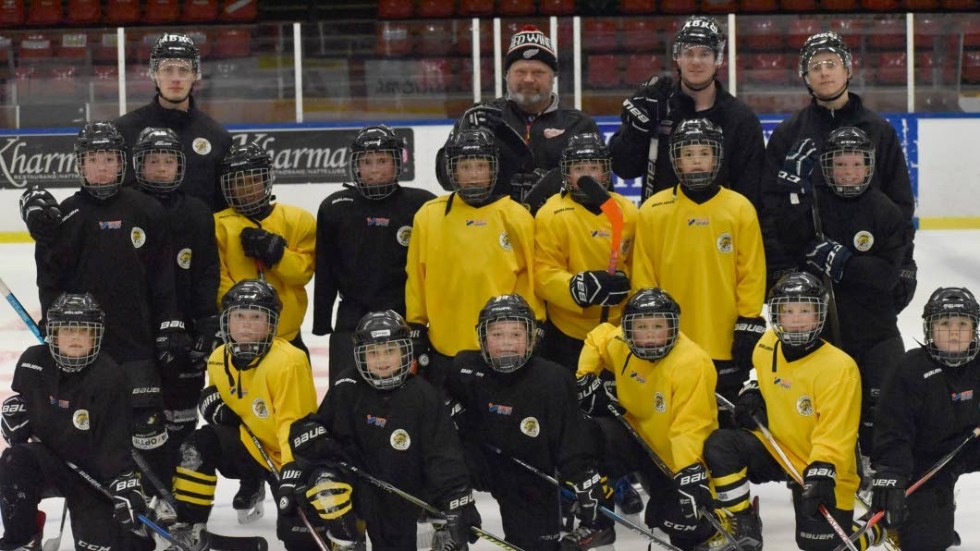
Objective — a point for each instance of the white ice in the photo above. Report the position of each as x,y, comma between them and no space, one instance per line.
945,258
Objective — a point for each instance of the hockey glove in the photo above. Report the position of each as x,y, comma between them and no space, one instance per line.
589,389
207,337
330,496
798,167
173,345
215,411
588,496
889,496
149,429
599,288
749,405
482,116
461,516
693,490
128,500
39,210
310,441
904,290
522,183
420,343
612,399
291,484
819,480
748,331
828,258
263,245
16,424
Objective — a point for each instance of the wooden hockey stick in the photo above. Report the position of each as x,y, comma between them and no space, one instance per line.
599,195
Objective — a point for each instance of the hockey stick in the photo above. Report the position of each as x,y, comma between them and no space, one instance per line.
652,154
19,308
599,195
832,301
568,493
743,544
436,513
275,473
875,518
54,543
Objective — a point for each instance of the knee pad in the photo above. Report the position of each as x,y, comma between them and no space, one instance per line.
19,465
294,534
719,453
330,495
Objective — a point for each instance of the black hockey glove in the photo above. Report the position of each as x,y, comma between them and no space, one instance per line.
292,483
207,337
173,345
798,167
692,487
589,391
889,496
750,404
599,288
149,429
39,210
522,183
310,441
16,424
904,290
748,331
819,480
828,258
482,116
420,343
330,495
589,496
461,516
263,245
215,411
128,500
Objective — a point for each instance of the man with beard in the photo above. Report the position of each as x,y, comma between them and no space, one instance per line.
530,128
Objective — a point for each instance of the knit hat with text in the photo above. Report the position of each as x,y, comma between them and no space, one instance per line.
530,43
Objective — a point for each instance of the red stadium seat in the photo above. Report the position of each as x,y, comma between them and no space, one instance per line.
73,46
887,34
159,12
892,68
474,8
83,12
640,67
678,6
557,7
240,11
12,13
971,34
960,4
395,9
880,5
43,13
35,46
515,8
233,42
798,5
199,11
122,12
801,29
105,72
600,35
971,66
839,5
719,6
602,71
637,6
762,33
641,35
921,5
433,37
394,39
464,38
433,8
759,5
930,71
771,68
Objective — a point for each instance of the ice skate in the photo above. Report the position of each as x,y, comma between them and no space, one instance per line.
588,537
192,537
162,512
33,545
248,502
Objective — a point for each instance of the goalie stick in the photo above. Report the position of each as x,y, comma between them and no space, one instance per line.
599,195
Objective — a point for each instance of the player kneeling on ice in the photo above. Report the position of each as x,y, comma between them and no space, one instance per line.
383,420
67,405
259,385
925,410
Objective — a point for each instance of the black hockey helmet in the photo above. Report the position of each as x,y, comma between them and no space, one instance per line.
375,139
95,137
381,334
945,303
798,288
472,145
824,42
703,31
246,179
245,298
158,141
175,46
650,303
507,308
585,147
845,179
697,132
74,311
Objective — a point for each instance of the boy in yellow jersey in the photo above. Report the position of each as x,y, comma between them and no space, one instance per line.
259,383
466,247
665,384
701,243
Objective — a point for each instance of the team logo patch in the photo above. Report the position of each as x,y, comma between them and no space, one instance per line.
637,377
110,224
201,146
259,408
962,396
863,241
530,427
530,53
724,243
698,221
184,258
404,235
504,241
137,236
379,221
779,381
500,409
553,132
601,233
80,419
804,406
376,421
659,402
400,440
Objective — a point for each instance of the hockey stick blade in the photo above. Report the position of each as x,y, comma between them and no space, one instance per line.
237,543
599,195
54,543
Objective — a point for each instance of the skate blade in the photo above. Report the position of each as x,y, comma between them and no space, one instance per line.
252,514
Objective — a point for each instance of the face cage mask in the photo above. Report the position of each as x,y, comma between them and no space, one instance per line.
74,364
397,378
139,161
511,362
375,191
696,180
578,195
801,337
650,352
102,191
247,351
473,196
842,190
951,359
242,190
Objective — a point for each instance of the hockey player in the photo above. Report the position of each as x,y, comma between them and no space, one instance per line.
928,407
67,403
721,282
407,441
826,67
446,289
175,65
661,104
259,383
362,242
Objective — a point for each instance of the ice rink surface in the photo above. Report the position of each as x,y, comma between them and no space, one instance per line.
945,258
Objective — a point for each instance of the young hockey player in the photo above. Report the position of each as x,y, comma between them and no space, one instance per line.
926,409
259,384
526,407
446,288
362,242
721,281
67,405
395,426
665,386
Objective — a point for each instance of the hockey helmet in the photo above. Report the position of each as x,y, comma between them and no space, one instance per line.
379,140
798,308
700,31
165,147
589,149
848,161
944,340
472,157
249,320
383,350
246,179
700,170
175,46
640,316
74,313
824,42
101,137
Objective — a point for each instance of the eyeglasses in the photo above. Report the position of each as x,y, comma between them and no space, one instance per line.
828,64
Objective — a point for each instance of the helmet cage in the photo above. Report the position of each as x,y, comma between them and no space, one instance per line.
947,357
139,165
799,337
397,377
696,180
248,191
107,190
847,191
245,351
508,363
650,351
375,191
471,194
